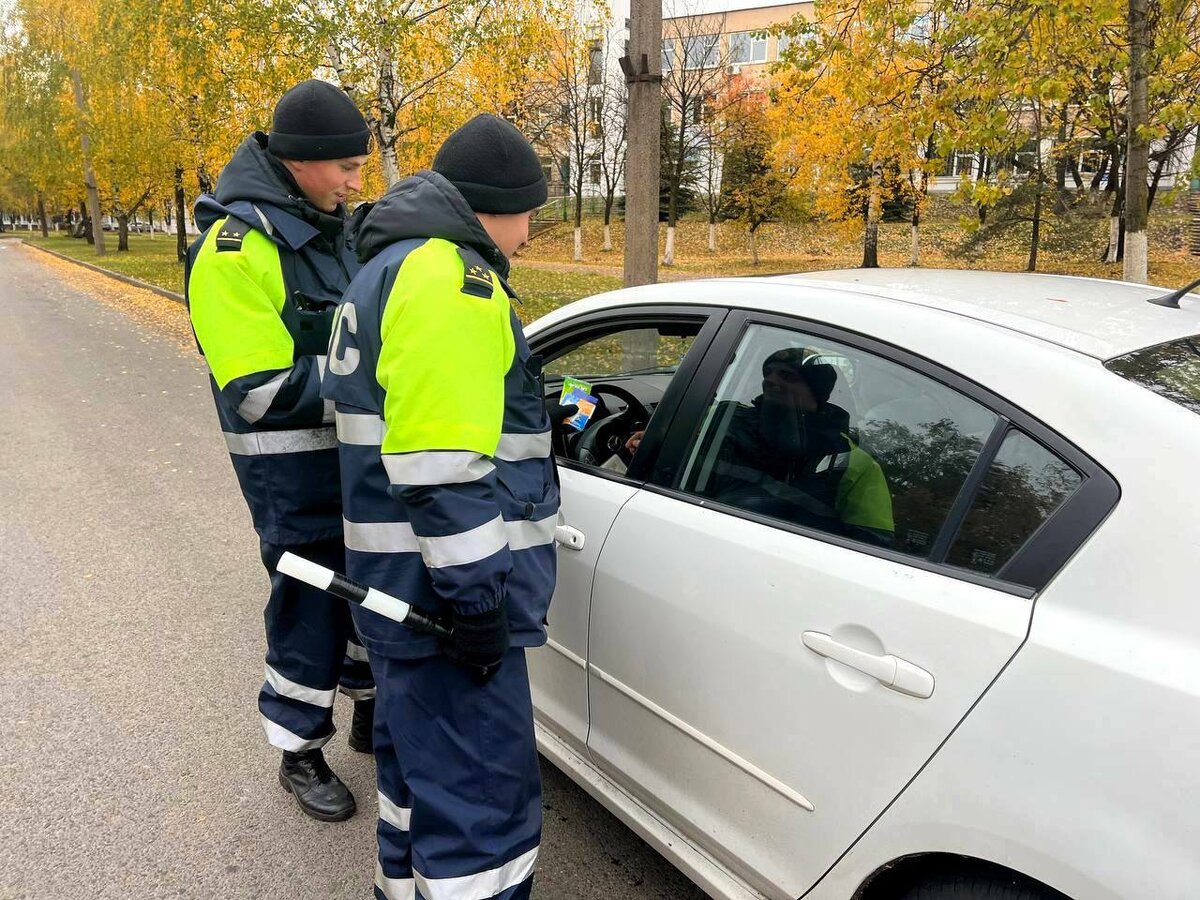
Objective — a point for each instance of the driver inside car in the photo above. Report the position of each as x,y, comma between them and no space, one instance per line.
789,455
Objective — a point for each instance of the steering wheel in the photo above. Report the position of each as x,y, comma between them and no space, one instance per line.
606,437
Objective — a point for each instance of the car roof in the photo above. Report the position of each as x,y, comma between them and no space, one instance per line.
1093,316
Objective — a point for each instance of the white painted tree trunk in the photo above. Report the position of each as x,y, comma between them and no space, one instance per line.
915,258
1136,257
578,245
669,253
607,238
1114,238
712,237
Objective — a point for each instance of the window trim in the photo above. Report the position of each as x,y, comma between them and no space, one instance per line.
1031,568
574,332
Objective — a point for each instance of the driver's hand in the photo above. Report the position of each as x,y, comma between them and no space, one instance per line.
559,413
635,440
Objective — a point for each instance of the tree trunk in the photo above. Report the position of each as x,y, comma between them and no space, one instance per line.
579,216
608,208
123,232
150,216
1138,156
181,241
669,252
42,215
1114,240
874,209
1101,173
89,175
1076,175
1116,226
1156,177
712,235
914,258
754,246
85,222
1035,237
1194,207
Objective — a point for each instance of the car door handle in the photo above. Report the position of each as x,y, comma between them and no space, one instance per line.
890,671
566,536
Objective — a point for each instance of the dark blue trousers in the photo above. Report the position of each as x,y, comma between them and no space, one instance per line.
460,791
312,648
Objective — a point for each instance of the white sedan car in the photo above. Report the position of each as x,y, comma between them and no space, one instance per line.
895,596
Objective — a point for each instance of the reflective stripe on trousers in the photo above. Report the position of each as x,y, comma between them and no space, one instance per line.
262,443
398,537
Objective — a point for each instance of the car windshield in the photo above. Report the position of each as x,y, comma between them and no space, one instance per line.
1171,370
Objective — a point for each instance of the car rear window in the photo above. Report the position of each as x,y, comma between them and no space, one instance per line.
1171,370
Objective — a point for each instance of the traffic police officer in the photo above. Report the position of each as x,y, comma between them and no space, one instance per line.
263,282
451,503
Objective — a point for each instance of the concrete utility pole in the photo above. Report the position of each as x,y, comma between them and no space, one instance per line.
643,73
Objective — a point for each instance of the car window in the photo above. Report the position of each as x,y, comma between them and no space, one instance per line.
632,351
1024,485
814,433
627,371
1171,370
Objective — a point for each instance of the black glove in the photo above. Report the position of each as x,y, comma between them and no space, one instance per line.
479,642
557,412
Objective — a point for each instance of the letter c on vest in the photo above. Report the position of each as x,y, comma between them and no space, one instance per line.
343,360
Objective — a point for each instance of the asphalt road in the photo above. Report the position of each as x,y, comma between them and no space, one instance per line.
132,762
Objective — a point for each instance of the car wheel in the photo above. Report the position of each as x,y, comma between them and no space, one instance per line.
973,886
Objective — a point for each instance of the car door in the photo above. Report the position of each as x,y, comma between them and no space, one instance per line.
602,348
776,650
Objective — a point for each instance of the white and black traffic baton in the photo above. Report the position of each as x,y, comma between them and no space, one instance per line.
368,598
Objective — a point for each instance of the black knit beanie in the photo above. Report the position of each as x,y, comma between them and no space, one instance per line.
315,120
493,167
820,377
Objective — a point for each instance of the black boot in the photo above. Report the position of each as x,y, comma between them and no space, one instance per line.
361,725
318,791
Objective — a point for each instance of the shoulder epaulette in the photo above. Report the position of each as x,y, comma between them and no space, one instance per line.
477,274
231,234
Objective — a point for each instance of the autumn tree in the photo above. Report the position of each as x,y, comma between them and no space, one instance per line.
577,73
861,89
695,77
612,121
414,68
753,189
37,128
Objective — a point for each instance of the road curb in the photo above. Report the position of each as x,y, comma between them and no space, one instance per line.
133,282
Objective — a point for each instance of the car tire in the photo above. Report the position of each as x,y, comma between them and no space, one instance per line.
974,886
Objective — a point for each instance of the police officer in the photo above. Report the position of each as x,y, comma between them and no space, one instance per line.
263,282
789,455
451,503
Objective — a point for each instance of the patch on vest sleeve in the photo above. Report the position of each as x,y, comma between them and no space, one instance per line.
231,235
477,277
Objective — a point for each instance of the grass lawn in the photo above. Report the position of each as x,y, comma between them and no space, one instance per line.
154,261
148,260
1069,246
